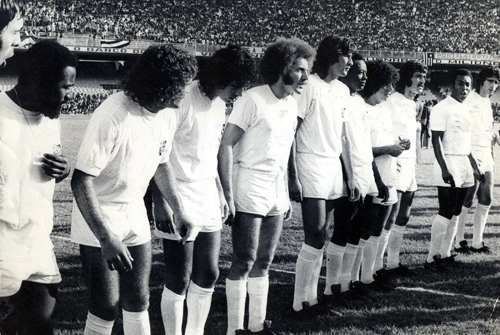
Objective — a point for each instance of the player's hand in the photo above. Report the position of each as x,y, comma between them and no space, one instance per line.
116,254
448,178
288,213
405,143
480,177
224,208
353,193
383,192
185,228
295,189
55,166
231,212
396,149
163,217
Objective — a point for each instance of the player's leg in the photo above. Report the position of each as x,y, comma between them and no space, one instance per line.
134,291
461,244
372,254
178,260
103,285
458,195
484,199
204,275
258,278
245,239
314,218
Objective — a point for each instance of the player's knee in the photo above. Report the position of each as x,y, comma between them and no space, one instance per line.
468,202
106,312
484,199
242,266
402,221
136,302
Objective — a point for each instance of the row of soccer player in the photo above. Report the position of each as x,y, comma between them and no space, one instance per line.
159,128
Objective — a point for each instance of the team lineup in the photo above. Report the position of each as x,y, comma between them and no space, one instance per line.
323,128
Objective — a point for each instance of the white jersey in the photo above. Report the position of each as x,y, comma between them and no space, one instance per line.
381,133
26,209
321,106
454,119
122,148
196,141
269,124
358,130
404,122
482,119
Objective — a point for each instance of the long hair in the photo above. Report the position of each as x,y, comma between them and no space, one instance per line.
380,74
329,51
487,72
8,11
280,56
406,73
159,75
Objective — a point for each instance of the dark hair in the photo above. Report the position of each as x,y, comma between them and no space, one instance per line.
329,50
159,75
380,74
357,56
44,64
460,72
487,72
406,73
230,65
280,56
8,11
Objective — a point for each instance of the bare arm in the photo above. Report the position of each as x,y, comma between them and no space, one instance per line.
294,186
383,190
437,139
347,168
114,252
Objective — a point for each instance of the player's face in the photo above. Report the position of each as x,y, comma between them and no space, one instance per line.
342,66
298,76
418,82
10,37
359,75
489,87
229,93
52,102
461,88
383,93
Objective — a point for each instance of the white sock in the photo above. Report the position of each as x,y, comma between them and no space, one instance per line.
172,310
136,323
97,326
312,290
334,256
480,218
462,220
198,301
357,261
382,245
368,260
236,295
449,237
304,270
438,230
258,289
347,265
394,246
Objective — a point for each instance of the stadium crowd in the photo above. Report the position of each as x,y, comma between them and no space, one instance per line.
83,103
429,25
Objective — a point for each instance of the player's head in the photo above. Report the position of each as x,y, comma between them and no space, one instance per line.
412,75
159,77
357,75
48,71
333,54
487,81
381,79
11,22
282,59
461,84
227,73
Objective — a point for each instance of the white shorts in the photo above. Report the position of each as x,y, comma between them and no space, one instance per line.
259,192
459,167
406,180
393,197
483,157
320,177
129,221
364,179
201,203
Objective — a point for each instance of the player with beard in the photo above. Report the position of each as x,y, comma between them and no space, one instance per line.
127,142
11,22
193,266
316,177
31,163
404,112
486,84
454,168
259,135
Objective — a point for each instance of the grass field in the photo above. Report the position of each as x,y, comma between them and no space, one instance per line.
461,302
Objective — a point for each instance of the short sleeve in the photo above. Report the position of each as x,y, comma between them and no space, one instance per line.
438,119
244,113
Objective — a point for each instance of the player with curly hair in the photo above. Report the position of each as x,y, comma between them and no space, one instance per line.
11,22
259,135
483,136
193,266
127,142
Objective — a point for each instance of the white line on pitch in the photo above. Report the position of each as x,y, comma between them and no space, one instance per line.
66,239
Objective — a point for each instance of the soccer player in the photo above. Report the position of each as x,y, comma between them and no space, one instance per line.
127,142
11,22
194,265
454,168
478,101
259,135
403,107
316,177
31,162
